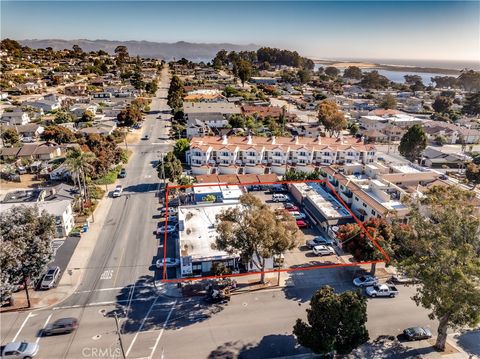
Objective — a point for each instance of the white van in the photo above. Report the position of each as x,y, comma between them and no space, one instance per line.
279,197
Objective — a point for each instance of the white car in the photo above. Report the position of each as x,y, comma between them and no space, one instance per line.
279,197
170,262
20,350
171,211
323,250
365,281
117,192
298,215
161,229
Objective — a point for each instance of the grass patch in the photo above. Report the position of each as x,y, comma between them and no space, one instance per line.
110,177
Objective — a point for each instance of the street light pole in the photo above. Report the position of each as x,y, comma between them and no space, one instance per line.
119,336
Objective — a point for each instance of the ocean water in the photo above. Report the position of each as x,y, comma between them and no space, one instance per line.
440,64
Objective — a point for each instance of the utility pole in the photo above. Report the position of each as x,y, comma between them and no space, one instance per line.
119,336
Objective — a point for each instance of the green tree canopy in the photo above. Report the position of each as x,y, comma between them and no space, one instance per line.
472,104
442,104
373,80
413,142
10,136
443,257
332,71
129,116
63,117
26,236
255,232
473,173
335,322
175,93
244,69
181,147
58,134
353,72
171,169
389,102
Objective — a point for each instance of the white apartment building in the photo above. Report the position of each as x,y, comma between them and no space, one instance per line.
256,155
372,122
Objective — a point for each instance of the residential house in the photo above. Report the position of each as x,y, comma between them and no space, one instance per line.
214,115
436,158
76,90
17,117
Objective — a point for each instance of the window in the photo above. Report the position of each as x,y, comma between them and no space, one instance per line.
364,205
303,153
373,212
251,153
356,198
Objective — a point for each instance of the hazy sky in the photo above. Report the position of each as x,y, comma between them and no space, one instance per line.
360,29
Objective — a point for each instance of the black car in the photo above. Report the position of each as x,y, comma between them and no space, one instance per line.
146,137
417,333
319,241
123,173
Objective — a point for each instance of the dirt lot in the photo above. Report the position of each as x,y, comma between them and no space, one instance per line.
133,137
26,181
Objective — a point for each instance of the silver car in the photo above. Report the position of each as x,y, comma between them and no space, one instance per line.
22,350
50,279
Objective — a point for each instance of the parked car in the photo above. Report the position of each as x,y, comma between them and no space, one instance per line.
161,228
302,224
382,290
22,350
171,211
290,206
118,191
61,326
323,250
146,137
365,281
317,241
400,278
417,333
278,188
50,279
279,197
123,173
298,215
171,262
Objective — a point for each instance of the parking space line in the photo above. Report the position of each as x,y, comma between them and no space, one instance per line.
44,326
23,324
163,329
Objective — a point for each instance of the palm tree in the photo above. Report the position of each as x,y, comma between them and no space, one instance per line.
78,162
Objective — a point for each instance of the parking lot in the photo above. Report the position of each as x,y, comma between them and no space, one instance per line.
302,255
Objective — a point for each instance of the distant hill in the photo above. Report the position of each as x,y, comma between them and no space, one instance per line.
163,50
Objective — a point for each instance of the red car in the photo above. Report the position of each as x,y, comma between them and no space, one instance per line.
290,207
302,224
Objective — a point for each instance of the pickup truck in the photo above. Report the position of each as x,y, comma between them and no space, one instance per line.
382,290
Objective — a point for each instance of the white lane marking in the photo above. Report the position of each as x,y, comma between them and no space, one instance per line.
108,274
141,327
30,315
113,288
146,299
163,328
44,326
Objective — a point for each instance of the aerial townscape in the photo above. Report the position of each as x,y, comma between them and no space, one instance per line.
211,200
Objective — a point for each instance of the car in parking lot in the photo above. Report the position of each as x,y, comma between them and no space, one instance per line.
317,241
382,290
298,215
279,197
171,211
170,262
50,279
161,228
290,206
323,250
365,281
123,173
278,188
417,333
302,224
22,350
117,192
400,278
61,326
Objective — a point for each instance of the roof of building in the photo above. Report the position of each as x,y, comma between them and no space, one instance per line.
210,107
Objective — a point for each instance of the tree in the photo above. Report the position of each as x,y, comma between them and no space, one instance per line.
417,86
58,134
444,258
353,72
255,232
472,104
122,53
332,71
440,140
373,80
335,322
411,79
469,80
26,249
129,116
244,69
151,87
304,75
389,102
78,162
10,136
63,117
330,116
473,173
175,93
442,104
170,167
88,116
353,128
413,142
181,147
